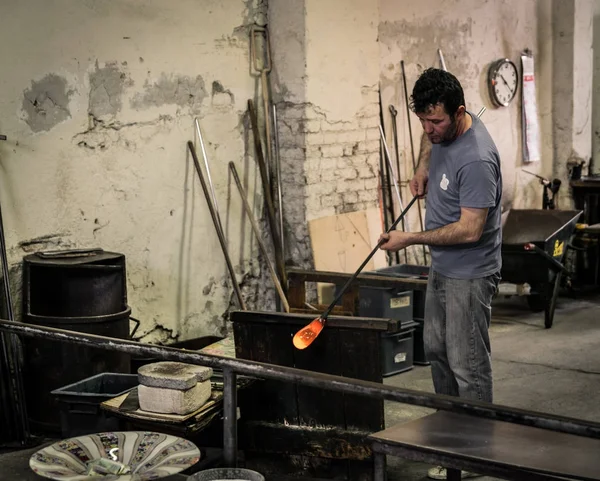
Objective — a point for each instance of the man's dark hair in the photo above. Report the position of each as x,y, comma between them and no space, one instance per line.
436,86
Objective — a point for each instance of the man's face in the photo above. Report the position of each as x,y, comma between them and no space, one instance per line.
438,125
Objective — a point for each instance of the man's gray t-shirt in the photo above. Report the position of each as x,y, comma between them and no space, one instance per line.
466,173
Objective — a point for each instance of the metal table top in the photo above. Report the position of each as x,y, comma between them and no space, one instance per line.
497,443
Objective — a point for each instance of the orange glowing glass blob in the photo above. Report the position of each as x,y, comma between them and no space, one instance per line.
305,336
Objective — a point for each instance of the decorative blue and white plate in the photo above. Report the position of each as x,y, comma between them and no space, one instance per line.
122,456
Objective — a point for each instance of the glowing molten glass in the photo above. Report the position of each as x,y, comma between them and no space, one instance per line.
305,336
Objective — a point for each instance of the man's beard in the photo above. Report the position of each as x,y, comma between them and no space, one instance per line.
451,131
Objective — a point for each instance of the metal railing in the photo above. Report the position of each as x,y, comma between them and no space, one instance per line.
231,367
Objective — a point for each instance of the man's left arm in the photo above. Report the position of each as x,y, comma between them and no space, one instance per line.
466,230
478,186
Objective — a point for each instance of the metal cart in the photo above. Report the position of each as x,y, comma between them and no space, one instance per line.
534,244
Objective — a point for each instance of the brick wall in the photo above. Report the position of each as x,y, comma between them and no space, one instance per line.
332,166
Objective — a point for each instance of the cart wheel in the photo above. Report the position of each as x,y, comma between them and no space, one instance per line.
550,308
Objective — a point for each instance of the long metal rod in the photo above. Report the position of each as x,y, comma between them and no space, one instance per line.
220,234
389,162
6,400
386,175
384,202
267,192
264,70
405,226
406,101
11,348
208,176
394,113
342,291
442,61
314,379
256,229
412,148
391,208
385,189
230,438
279,182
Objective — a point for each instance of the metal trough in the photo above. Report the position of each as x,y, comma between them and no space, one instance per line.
534,245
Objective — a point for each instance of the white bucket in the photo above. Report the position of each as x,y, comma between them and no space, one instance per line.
227,474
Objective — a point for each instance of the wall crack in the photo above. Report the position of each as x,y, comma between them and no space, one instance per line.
103,134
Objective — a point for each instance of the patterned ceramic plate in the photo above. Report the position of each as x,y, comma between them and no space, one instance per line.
123,456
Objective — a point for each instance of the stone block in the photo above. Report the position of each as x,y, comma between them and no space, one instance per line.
173,375
174,401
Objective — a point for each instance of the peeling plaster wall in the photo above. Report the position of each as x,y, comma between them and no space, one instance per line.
98,100
583,63
573,66
472,34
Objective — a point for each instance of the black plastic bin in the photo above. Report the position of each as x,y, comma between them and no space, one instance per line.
411,272
418,299
74,283
385,302
80,411
397,349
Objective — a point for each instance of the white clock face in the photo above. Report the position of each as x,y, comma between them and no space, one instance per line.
504,83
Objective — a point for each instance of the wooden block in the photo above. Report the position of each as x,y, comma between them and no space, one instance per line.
296,292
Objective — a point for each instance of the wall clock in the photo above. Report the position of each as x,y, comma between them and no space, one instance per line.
503,81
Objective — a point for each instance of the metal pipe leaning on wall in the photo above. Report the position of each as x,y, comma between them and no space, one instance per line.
270,206
412,149
15,397
217,224
279,182
208,176
256,230
314,379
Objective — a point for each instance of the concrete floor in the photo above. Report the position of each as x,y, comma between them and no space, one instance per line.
553,370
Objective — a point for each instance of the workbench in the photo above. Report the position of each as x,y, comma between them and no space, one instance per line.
489,448
289,419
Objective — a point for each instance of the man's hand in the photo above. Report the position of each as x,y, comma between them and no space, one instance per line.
418,184
395,240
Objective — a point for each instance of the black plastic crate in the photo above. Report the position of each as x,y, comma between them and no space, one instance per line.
80,411
397,350
385,302
413,272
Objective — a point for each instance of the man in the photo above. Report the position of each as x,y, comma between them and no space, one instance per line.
463,182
